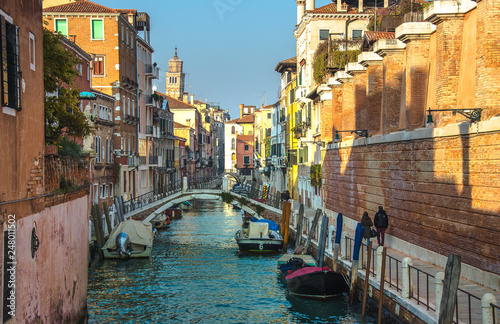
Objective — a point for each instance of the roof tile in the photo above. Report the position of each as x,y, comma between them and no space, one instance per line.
81,6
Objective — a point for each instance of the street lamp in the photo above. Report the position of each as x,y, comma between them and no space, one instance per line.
474,114
361,132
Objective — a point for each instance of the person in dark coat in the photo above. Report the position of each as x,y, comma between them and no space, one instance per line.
367,224
381,223
285,195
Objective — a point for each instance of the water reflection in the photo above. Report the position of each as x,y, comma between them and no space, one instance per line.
196,275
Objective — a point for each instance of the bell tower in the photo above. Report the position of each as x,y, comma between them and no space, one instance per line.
175,78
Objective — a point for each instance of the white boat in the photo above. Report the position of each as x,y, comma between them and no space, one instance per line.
259,238
130,239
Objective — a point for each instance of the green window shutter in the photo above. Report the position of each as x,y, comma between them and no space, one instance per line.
97,30
62,27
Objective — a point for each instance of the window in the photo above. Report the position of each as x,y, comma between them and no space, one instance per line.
246,159
99,65
97,29
357,34
111,190
233,157
268,115
98,149
143,178
246,147
323,34
61,26
95,110
233,130
233,144
88,72
32,51
10,75
123,34
107,150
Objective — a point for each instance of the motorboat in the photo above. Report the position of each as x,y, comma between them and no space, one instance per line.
129,239
161,222
261,236
304,278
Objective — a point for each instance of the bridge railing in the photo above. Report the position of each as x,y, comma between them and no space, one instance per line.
205,183
150,197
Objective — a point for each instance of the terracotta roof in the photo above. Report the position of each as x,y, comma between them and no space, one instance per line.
198,102
245,138
174,103
332,8
246,119
81,6
127,11
376,35
179,125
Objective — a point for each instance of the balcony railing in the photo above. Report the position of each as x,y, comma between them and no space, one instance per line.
133,161
149,129
153,160
142,160
152,71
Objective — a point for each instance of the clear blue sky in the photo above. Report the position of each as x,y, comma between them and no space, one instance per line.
229,47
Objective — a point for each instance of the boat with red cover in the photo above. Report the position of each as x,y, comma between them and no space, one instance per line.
316,282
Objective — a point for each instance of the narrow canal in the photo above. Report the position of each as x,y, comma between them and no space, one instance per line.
197,275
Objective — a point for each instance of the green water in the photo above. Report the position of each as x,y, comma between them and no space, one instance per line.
197,275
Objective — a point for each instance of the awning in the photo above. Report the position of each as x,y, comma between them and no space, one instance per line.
87,95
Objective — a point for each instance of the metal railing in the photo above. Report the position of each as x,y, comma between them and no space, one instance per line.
152,196
494,309
424,278
205,183
469,316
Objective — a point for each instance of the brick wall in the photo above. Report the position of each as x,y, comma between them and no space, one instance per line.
488,60
348,120
374,88
417,70
57,167
449,35
435,192
393,82
360,102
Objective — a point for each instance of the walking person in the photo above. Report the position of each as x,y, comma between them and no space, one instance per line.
367,224
381,223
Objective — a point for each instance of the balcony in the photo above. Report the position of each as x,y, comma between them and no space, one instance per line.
301,94
142,21
151,70
142,160
150,130
153,160
151,102
133,161
132,120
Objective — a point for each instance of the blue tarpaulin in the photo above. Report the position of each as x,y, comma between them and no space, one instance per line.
272,225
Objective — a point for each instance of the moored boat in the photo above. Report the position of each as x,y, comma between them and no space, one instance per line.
304,278
258,237
129,239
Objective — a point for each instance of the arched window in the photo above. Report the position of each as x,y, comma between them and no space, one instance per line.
233,144
233,157
233,130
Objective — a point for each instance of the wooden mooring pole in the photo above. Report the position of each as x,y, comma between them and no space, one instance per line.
286,210
367,277
449,298
300,219
382,282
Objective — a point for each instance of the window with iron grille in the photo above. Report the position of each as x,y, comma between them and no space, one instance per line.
10,74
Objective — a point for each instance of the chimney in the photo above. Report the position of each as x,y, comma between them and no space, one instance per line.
241,110
185,96
300,10
192,100
310,5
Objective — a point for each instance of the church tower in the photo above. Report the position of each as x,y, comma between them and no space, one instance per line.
175,78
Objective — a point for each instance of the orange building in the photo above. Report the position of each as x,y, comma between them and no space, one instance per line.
110,35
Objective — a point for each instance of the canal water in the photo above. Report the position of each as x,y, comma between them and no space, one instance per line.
197,275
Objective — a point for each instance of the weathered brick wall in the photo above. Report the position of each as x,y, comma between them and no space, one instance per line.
449,35
57,168
360,102
347,106
488,58
391,100
417,70
374,88
436,192
336,108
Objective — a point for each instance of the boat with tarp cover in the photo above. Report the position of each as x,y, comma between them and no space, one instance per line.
129,239
261,236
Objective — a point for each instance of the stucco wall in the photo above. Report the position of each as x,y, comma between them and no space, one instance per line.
52,287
